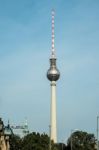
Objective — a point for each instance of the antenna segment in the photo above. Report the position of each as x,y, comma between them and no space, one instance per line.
53,35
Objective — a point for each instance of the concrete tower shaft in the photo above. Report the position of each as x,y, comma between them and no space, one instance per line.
53,121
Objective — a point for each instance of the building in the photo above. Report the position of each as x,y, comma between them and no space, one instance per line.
53,75
5,132
20,130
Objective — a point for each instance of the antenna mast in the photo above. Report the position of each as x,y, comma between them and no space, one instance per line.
53,35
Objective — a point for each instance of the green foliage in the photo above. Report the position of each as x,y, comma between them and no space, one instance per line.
80,140
15,142
35,141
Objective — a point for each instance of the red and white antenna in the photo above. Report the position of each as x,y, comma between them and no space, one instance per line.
53,35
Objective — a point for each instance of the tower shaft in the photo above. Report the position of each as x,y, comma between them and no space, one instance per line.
53,134
53,75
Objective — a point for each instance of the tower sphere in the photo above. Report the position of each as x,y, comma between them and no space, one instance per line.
53,73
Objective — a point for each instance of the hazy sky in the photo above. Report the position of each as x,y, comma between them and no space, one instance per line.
25,44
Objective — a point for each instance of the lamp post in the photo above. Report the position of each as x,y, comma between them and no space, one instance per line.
49,137
71,138
62,145
97,132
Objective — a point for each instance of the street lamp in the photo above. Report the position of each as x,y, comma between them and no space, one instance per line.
97,132
62,145
49,137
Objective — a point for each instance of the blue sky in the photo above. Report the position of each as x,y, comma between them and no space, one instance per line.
25,44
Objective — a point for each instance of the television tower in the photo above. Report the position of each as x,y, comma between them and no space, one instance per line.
53,75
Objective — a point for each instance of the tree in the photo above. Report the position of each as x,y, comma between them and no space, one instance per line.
32,141
35,141
80,140
15,142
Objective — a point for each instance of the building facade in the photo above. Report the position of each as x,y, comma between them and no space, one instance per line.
4,136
